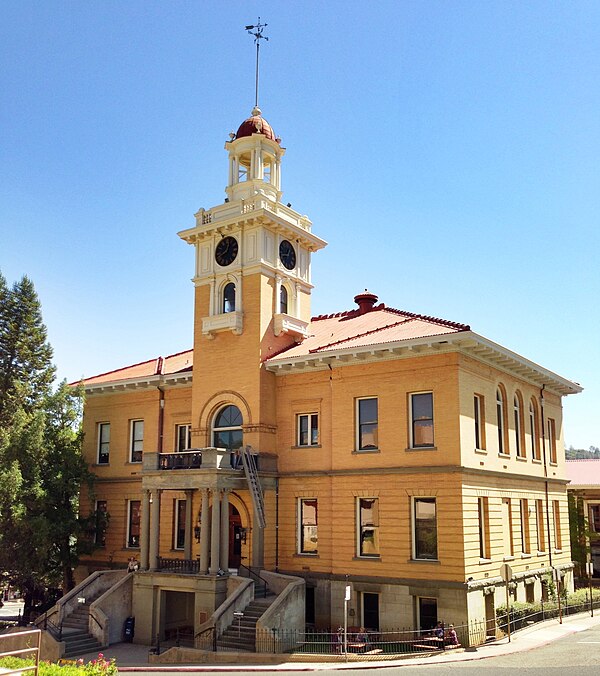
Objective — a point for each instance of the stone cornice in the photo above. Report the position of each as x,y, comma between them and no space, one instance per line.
142,383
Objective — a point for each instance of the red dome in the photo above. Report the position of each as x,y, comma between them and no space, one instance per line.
256,124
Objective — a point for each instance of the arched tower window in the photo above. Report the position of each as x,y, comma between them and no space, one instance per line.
500,420
518,414
229,297
283,300
227,428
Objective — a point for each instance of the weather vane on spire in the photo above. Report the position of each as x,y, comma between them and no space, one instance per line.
258,36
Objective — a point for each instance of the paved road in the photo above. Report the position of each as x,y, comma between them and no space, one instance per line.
574,655
11,609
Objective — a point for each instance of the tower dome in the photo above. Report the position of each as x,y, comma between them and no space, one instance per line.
256,124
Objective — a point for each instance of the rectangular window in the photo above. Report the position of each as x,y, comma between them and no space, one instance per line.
179,525
539,514
307,526
552,439
137,440
557,533
595,518
529,592
103,443
421,407
368,526
427,611
479,420
484,528
101,523
183,434
367,424
525,533
308,429
133,523
507,527
425,529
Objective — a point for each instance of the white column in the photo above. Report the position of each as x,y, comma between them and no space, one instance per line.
297,300
154,530
277,294
277,181
187,545
215,534
204,534
225,530
145,531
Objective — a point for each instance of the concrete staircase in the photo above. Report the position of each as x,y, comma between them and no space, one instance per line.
240,636
78,640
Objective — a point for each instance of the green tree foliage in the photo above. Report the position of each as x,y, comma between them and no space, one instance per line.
41,464
593,453
580,534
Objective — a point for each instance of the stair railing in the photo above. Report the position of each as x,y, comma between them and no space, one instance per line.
245,571
205,638
54,629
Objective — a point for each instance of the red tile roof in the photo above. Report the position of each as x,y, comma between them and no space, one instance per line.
585,472
355,329
174,363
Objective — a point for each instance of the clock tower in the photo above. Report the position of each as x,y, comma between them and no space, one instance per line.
252,289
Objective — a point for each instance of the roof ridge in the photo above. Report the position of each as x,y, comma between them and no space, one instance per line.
121,368
359,335
176,354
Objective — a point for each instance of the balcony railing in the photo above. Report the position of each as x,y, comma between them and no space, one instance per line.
189,566
185,460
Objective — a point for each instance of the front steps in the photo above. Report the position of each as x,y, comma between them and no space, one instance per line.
240,636
78,640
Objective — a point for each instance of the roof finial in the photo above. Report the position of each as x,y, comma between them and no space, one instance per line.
258,36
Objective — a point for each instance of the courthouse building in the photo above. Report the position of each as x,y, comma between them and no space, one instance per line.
401,454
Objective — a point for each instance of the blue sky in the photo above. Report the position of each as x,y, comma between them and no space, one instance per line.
447,151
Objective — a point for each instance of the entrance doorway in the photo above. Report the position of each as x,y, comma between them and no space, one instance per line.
427,609
370,611
490,616
236,533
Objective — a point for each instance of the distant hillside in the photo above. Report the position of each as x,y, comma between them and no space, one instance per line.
580,453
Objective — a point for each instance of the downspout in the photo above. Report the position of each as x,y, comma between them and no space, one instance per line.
277,524
543,424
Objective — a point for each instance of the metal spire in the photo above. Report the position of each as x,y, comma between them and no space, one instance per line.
258,36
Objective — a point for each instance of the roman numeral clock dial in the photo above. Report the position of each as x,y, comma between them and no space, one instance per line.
287,255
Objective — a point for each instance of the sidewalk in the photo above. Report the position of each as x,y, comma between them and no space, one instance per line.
132,657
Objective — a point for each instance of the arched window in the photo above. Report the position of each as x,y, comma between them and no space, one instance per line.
283,300
500,412
227,428
534,428
229,297
518,414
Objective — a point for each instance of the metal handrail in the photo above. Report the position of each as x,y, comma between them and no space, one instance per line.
212,629
35,649
255,577
55,629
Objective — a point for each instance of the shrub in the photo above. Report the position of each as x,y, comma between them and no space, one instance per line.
98,667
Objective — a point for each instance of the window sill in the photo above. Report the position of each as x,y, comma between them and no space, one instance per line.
482,451
484,561
525,555
374,557
504,455
558,551
360,451
306,555
521,458
541,553
133,547
134,462
421,448
553,463
536,461
508,558
101,464
437,562
294,448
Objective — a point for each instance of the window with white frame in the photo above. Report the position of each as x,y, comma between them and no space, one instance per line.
484,528
507,527
534,430
479,420
500,422
525,532
283,300
103,443
518,421
421,412
307,429
227,428
229,297
136,443
367,424
556,519
133,523
307,526
367,521
183,438
179,509
541,534
552,439
425,528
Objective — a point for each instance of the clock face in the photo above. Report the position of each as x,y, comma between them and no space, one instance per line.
226,251
287,254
